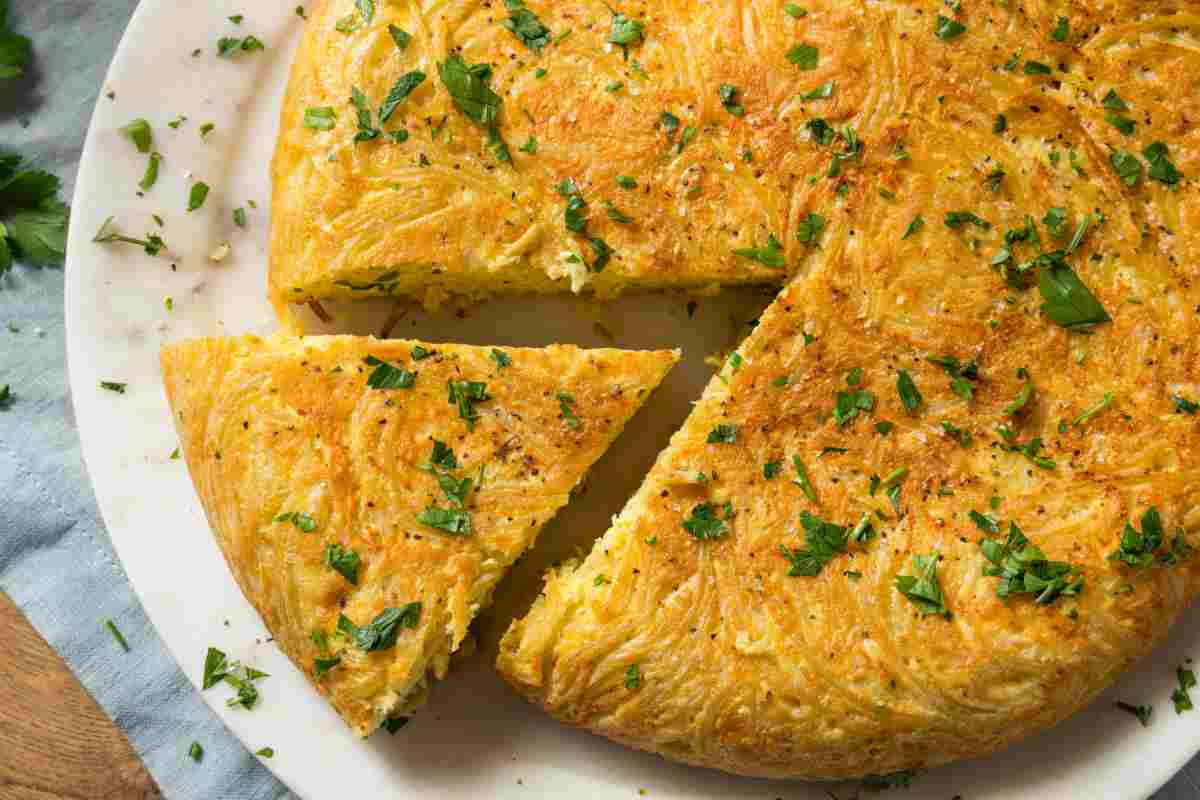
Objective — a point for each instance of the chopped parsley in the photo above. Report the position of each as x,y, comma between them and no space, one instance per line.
804,56
1023,397
822,542
771,255
1062,29
298,518
1069,302
321,118
802,480
1142,713
729,99
465,394
525,25
1127,167
771,470
1184,405
386,376
501,358
626,31
451,521
139,133
917,223
197,196
922,588
626,182
399,92
116,634
114,386
808,231
1137,547
962,374
1036,68
469,88
381,633
910,396
1102,405
1030,449
849,404
1113,101
230,46
1124,124
343,561
723,434
633,677
566,406
704,522
948,29
1024,569
265,752
1161,168
1181,698
794,11
956,219
218,668
822,92
400,36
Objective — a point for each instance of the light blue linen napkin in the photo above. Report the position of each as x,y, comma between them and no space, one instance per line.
55,558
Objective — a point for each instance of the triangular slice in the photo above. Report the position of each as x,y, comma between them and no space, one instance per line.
369,494
948,489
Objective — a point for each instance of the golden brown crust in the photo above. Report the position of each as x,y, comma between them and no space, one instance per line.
746,668
439,214
285,426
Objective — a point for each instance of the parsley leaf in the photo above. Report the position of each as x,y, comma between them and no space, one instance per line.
1142,713
465,394
822,92
948,29
923,588
381,633
399,92
139,133
633,677
1127,167
385,376
917,223
910,396
566,403
723,434
771,255
298,518
729,99
1062,29
152,244
321,118
1137,547
808,231
1161,168
956,219
802,479
1024,569
804,56
501,358
1113,101
1069,302
343,560
1187,680
704,522
525,25
1124,124
1184,405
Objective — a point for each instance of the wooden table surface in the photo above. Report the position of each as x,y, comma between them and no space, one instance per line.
55,742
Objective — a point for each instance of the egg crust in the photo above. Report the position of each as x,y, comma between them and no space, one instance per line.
931,377
673,182
317,486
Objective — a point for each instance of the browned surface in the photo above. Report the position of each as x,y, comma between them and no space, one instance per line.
55,742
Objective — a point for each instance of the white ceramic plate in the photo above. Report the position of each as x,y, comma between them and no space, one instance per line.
477,739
